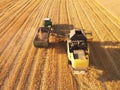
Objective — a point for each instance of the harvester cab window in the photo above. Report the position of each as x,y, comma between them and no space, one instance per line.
78,32
80,44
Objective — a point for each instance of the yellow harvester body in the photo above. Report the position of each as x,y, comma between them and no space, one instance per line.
78,49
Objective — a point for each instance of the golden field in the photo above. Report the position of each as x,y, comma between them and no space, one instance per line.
113,6
24,67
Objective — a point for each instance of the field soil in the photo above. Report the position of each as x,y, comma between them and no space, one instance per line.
25,67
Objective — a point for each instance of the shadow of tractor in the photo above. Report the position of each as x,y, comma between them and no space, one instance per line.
62,29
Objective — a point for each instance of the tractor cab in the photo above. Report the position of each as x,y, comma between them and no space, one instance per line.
47,22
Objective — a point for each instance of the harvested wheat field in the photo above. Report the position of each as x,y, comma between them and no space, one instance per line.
24,67
113,6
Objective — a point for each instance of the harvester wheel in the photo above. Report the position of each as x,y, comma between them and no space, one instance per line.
69,62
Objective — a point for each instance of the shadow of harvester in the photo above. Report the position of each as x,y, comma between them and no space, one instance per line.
105,56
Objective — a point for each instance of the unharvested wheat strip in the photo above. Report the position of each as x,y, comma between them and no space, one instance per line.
49,12
46,11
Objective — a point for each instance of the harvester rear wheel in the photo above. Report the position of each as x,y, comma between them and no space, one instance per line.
69,62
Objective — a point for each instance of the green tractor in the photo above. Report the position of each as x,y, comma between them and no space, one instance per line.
47,22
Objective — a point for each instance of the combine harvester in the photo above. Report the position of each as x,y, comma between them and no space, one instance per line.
42,36
78,50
